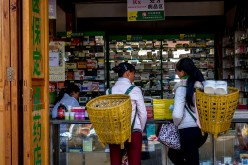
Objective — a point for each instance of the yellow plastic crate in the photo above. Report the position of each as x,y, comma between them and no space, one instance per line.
161,109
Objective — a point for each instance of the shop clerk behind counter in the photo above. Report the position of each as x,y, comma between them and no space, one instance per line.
67,98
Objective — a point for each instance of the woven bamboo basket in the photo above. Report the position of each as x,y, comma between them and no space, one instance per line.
216,111
110,116
161,109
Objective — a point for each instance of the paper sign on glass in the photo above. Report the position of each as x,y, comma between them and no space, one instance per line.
53,59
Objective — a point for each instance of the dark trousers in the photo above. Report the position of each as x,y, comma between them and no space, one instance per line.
133,151
191,139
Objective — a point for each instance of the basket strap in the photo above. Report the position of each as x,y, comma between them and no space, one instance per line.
133,120
190,113
129,89
127,92
189,110
110,91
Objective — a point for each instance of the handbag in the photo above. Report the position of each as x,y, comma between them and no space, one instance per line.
169,136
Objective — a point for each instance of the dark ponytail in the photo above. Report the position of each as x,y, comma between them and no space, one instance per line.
122,68
188,66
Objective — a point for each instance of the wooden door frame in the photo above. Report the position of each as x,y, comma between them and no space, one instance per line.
11,55
14,56
9,114
5,122
38,13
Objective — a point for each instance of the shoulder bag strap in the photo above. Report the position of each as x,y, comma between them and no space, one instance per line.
189,110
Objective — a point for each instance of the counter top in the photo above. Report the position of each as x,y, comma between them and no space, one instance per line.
55,121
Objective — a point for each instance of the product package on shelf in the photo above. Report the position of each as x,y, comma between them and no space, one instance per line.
151,131
87,144
149,110
162,109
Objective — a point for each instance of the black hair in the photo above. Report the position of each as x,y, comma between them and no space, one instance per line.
188,66
69,90
122,68
72,88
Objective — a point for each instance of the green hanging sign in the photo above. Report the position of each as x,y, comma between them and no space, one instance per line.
145,10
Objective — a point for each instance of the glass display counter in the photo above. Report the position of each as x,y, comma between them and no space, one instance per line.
75,142
227,149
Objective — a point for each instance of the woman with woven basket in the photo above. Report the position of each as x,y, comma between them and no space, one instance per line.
185,114
126,73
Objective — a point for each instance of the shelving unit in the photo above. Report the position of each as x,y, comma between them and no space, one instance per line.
85,63
144,53
235,64
200,50
155,57
228,59
241,66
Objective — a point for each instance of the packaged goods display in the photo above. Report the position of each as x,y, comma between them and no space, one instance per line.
154,58
88,63
83,58
235,62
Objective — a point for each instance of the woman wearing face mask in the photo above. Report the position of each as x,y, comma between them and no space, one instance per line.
126,74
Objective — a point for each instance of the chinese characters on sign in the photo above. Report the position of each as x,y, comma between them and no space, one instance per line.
145,10
37,126
36,38
36,73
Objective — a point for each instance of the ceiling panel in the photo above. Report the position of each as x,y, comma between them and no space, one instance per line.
170,24
125,1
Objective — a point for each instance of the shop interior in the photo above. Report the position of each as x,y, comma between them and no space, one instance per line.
86,41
